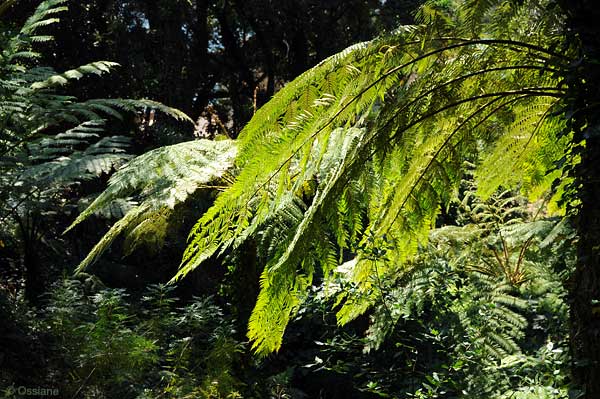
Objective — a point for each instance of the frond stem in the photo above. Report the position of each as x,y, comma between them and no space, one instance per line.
509,43
533,91
381,293
467,76
535,130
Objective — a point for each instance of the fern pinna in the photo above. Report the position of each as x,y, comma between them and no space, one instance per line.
363,150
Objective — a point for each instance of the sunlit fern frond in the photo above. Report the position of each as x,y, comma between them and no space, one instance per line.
529,150
96,68
422,107
43,15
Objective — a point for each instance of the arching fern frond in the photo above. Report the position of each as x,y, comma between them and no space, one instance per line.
133,105
32,112
528,149
423,106
362,151
43,16
57,159
158,181
96,68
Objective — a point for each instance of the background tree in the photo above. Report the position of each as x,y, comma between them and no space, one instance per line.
229,55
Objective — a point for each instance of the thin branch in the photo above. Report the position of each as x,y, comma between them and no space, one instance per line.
383,300
84,383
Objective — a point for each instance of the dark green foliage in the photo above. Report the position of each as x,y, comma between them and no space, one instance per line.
96,338
451,327
101,342
54,148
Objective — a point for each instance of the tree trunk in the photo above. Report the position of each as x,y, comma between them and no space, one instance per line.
200,83
585,288
583,100
33,271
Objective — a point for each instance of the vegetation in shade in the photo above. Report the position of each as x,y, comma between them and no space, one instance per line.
429,334
105,343
66,139
454,313
53,145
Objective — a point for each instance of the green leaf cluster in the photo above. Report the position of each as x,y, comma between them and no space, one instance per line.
50,142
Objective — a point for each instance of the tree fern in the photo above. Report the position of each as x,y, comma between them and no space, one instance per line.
492,312
370,144
426,105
